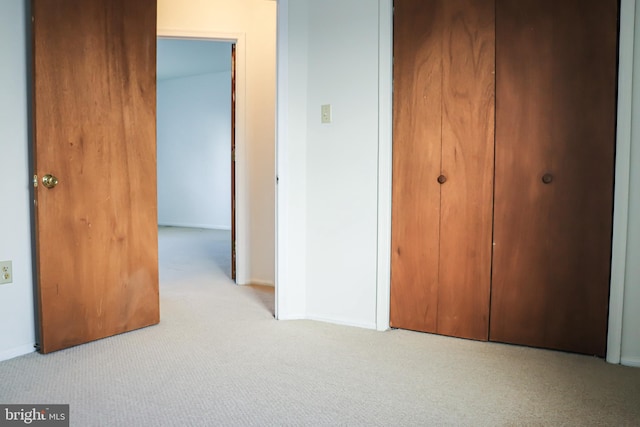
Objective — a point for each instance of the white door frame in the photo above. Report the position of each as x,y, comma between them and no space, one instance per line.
622,189
385,161
242,217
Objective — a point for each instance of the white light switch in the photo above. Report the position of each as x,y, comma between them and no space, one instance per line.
325,113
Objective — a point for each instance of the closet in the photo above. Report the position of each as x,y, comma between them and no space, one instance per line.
503,157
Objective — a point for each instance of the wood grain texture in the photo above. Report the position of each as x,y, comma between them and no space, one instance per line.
556,93
443,125
417,139
94,120
467,162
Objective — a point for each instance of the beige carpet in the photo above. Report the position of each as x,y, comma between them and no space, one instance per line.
218,358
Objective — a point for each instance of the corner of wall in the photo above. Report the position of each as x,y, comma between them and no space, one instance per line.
291,159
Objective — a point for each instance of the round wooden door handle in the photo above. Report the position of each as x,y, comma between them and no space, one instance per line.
547,178
442,179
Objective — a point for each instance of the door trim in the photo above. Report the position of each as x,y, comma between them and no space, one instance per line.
241,190
233,161
622,179
281,142
385,161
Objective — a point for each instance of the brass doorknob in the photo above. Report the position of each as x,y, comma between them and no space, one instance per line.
49,181
442,179
547,178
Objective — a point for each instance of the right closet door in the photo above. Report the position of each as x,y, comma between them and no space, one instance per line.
554,157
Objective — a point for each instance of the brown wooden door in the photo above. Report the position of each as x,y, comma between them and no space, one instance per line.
443,133
556,92
94,120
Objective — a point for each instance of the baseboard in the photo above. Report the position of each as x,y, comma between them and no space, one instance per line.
292,316
630,361
16,352
343,322
206,226
261,283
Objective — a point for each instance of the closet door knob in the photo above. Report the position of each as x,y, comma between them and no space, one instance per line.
442,179
547,178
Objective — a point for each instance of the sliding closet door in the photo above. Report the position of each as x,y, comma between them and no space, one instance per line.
555,130
443,135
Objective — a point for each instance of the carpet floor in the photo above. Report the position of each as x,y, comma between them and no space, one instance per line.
218,358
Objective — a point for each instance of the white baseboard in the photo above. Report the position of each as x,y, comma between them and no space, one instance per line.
630,361
343,322
185,225
16,352
292,316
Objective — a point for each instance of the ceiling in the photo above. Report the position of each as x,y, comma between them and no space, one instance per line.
186,57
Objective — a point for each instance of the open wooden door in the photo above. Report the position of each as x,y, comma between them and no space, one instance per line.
94,146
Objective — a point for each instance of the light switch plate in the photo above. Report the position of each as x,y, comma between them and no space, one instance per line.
6,273
325,113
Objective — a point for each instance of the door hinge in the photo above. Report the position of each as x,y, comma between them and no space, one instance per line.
35,181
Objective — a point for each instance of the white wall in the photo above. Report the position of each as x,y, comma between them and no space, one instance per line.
331,203
326,258
342,161
17,333
255,20
194,150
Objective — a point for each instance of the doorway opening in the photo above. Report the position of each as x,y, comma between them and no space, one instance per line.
196,130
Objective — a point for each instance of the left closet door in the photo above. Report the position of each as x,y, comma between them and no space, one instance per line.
443,133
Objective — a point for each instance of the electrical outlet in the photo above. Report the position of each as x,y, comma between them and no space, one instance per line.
6,275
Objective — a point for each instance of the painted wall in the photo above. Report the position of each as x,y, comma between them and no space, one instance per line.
332,59
194,150
342,161
256,20
333,239
17,332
